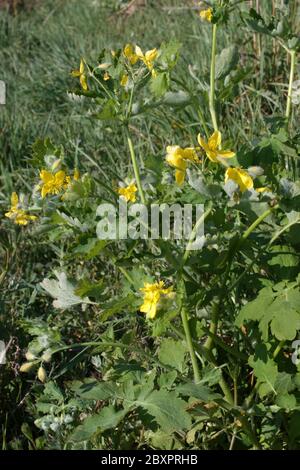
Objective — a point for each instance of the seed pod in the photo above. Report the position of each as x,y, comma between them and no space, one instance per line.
41,374
29,356
46,357
26,367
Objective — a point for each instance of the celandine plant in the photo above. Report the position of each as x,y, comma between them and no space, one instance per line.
185,349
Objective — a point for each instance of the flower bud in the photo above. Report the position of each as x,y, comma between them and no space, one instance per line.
29,356
46,357
26,367
41,374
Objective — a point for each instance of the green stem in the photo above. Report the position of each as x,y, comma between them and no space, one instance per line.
189,342
202,120
278,349
198,223
210,358
135,169
216,307
213,78
289,98
256,223
213,326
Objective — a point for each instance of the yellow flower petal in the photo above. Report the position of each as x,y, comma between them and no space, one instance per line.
81,67
225,154
152,294
151,55
76,174
214,141
262,190
129,192
206,14
46,176
14,200
203,143
83,82
180,177
211,147
124,80
241,177
130,55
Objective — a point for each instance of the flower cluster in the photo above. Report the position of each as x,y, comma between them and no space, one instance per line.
152,295
148,58
17,213
54,183
128,192
180,157
207,14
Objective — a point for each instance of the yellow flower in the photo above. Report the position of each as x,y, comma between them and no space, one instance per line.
211,147
124,80
241,177
178,158
18,215
82,76
130,54
106,76
53,183
262,190
152,294
129,192
148,58
207,14
76,175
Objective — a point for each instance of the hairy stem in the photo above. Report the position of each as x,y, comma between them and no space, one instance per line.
216,307
213,78
189,342
135,168
289,97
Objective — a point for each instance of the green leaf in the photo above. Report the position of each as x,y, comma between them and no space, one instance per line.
288,401
167,379
63,291
108,418
177,98
226,61
94,390
277,307
265,370
91,249
168,410
116,306
87,288
169,53
282,327
201,392
159,84
172,353
108,111
283,383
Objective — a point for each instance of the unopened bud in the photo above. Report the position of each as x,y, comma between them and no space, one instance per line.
46,357
26,367
29,356
41,374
